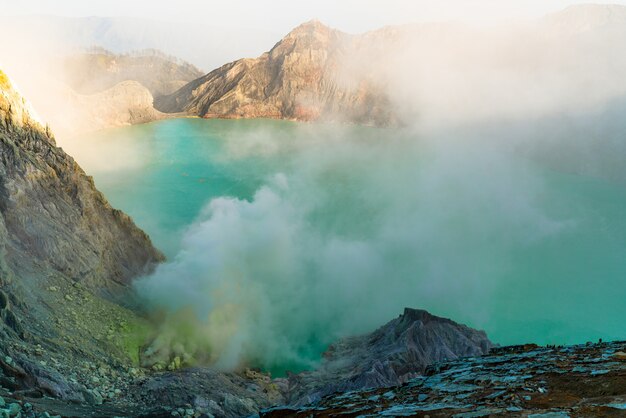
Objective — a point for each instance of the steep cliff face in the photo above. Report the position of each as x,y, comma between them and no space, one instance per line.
396,352
298,79
66,260
52,218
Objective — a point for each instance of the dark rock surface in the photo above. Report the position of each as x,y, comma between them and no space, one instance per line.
522,381
391,355
395,353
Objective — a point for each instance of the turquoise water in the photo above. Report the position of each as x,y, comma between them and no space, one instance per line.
174,169
518,248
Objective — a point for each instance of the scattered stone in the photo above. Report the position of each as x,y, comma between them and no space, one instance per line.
14,409
497,384
93,397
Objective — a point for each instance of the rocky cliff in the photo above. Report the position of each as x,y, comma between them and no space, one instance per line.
520,381
65,256
398,351
52,218
300,78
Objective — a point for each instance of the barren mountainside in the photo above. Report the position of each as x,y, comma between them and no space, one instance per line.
51,212
98,69
298,79
396,352
66,261
126,103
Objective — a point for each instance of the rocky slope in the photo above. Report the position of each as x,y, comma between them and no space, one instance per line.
52,217
102,90
66,260
391,355
430,73
78,93
521,381
126,103
299,78
97,70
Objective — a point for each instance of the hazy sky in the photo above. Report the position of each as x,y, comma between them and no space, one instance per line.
280,15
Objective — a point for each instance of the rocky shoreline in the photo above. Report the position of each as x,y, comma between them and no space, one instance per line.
518,381
69,385
586,380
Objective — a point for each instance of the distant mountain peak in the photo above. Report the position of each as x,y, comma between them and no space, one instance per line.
313,29
311,25
297,80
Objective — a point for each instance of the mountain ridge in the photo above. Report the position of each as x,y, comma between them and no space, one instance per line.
294,80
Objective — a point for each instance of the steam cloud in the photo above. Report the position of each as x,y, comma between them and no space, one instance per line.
369,221
361,228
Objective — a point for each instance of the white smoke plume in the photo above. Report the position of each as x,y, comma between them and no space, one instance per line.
367,222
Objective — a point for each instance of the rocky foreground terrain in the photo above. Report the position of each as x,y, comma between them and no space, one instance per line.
522,381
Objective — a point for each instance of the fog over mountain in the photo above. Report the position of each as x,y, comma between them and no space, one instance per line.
206,46
308,186
475,108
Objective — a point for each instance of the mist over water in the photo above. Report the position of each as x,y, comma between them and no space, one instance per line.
283,237
500,202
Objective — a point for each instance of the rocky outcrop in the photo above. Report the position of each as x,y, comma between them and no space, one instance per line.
65,254
520,381
398,351
300,78
52,218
